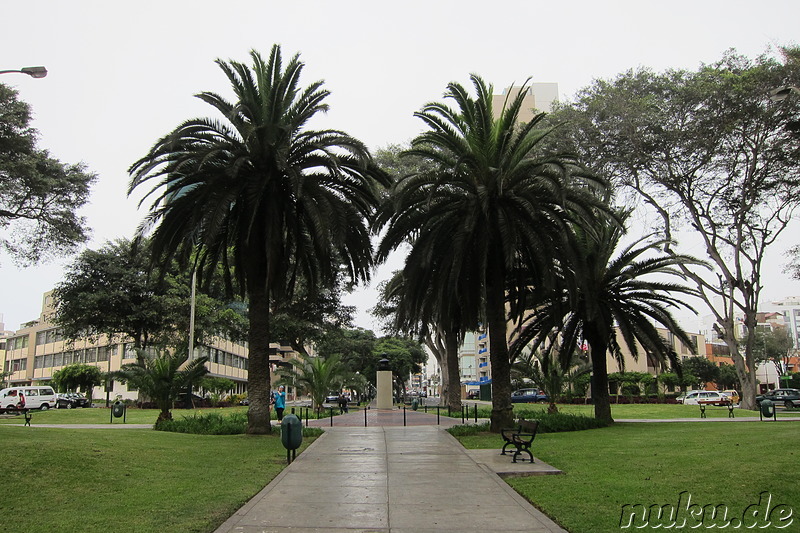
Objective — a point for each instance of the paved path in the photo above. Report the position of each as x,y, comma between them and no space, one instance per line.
387,479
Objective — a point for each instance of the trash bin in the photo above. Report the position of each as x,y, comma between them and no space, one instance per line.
767,408
414,404
291,435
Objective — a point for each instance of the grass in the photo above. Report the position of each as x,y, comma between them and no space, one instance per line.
728,463
133,415
134,480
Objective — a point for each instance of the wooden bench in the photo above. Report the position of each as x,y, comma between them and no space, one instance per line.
704,404
521,437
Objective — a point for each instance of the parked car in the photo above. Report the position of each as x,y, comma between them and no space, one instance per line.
71,400
733,395
787,397
474,394
332,398
528,396
707,397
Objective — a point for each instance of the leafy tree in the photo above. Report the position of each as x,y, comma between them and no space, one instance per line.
728,378
39,195
262,195
704,370
163,378
491,203
216,387
78,377
774,346
316,376
671,380
406,357
109,291
708,152
602,292
354,348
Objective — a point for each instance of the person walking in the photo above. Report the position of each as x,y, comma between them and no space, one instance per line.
280,402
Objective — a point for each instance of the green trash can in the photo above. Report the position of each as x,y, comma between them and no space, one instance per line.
414,404
767,409
291,435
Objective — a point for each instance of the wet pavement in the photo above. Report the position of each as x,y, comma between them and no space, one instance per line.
389,478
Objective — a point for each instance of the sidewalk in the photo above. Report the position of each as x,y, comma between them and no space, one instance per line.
388,479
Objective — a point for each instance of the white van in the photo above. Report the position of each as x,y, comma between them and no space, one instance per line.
35,398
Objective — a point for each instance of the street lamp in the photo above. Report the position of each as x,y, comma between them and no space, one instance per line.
33,72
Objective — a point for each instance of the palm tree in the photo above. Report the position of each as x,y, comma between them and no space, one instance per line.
315,375
601,294
161,378
491,203
268,199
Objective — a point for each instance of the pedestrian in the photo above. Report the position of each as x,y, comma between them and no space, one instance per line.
280,402
343,403
21,403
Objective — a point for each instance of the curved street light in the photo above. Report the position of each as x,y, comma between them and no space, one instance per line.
33,72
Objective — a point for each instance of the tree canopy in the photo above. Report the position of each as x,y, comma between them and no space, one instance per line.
110,291
39,195
708,152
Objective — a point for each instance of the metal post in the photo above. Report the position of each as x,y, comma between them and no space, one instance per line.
476,413
437,415
365,415
331,416
404,414
463,418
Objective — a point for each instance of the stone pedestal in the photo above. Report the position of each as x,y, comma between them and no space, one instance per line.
384,400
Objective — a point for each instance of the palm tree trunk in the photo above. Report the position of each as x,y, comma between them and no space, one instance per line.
258,379
502,410
600,395
453,376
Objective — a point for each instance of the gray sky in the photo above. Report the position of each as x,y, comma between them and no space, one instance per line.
123,74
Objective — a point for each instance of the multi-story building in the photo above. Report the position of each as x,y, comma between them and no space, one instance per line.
539,97
34,353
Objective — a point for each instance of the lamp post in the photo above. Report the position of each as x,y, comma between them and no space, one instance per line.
33,72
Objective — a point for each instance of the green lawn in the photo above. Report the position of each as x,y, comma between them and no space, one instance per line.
652,464
133,480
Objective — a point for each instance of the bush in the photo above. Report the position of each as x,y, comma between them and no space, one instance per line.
548,423
217,424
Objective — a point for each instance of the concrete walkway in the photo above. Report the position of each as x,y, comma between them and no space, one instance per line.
387,479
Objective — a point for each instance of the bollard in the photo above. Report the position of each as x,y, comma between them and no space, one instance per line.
404,415
331,416
365,415
437,415
476,413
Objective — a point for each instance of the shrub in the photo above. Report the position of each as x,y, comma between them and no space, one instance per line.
548,423
218,424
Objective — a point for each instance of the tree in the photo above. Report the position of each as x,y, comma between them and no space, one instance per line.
492,202
161,378
39,195
109,292
315,375
604,296
549,372
439,327
216,387
78,376
702,369
775,347
708,152
728,379
406,357
262,195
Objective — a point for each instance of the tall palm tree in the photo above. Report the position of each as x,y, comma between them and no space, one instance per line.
491,203
262,195
163,377
601,293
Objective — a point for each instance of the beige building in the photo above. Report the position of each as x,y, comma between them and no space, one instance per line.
33,353
539,97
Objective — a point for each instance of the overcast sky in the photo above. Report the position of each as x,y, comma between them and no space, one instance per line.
123,74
